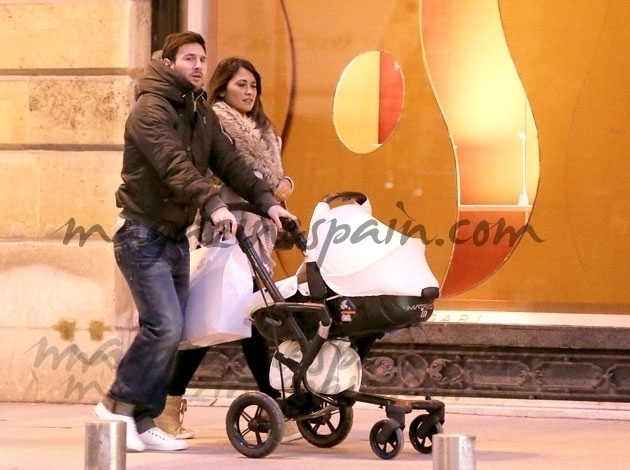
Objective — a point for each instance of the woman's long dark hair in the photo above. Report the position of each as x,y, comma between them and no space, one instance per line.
223,73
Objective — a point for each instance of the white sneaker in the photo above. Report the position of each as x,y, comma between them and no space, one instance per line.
156,439
134,443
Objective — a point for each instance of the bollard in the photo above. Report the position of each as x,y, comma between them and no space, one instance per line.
105,445
453,452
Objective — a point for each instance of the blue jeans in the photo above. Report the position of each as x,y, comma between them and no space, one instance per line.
157,270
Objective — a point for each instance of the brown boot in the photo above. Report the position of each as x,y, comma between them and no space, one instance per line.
291,431
172,418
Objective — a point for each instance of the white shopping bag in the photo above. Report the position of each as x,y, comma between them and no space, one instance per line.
220,287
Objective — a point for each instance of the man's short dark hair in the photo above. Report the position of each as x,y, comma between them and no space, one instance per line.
174,41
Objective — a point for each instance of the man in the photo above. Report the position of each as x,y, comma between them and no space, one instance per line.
171,139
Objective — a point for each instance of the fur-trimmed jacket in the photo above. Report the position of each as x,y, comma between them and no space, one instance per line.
260,149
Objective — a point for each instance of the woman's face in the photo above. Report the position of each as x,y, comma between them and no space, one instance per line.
241,91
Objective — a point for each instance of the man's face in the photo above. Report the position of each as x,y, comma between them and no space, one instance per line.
190,63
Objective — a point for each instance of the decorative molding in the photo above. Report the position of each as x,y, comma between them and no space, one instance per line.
546,366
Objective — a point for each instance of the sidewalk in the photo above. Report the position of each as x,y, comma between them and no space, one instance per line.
510,435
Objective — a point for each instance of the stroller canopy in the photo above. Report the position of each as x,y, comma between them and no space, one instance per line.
360,256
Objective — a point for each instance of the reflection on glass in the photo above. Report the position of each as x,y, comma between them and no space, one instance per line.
492,129
368,101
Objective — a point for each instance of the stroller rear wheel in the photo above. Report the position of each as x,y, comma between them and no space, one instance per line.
254,424
327,426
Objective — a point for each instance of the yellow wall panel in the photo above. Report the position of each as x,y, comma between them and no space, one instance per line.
569,56
415,166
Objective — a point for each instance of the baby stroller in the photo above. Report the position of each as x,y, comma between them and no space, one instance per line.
359,279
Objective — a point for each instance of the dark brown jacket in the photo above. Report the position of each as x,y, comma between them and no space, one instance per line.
172,137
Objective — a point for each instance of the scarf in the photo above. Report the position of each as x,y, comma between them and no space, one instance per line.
259,147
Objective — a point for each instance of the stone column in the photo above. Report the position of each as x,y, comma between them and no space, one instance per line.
66,83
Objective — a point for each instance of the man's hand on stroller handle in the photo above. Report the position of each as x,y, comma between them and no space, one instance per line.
224,221
276,212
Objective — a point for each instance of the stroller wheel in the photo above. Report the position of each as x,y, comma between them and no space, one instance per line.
327,426
254,424
423,441
386,447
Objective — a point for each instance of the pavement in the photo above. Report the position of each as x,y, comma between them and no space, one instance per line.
509,435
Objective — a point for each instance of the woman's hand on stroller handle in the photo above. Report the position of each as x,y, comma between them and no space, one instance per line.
277,212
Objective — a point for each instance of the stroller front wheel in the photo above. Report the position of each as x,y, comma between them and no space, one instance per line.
385,443
423,441
254,424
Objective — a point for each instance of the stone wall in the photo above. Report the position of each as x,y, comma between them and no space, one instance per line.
65,89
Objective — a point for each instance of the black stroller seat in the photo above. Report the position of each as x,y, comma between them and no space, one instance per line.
351,289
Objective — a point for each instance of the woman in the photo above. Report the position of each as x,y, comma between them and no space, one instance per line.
234,92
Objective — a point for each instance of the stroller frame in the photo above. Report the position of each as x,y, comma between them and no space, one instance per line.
255,421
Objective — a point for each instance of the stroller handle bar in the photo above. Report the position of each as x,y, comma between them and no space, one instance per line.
290,225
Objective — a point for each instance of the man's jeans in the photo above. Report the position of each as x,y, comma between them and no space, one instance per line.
157,271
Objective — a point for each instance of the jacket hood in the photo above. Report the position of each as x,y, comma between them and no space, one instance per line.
162,80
